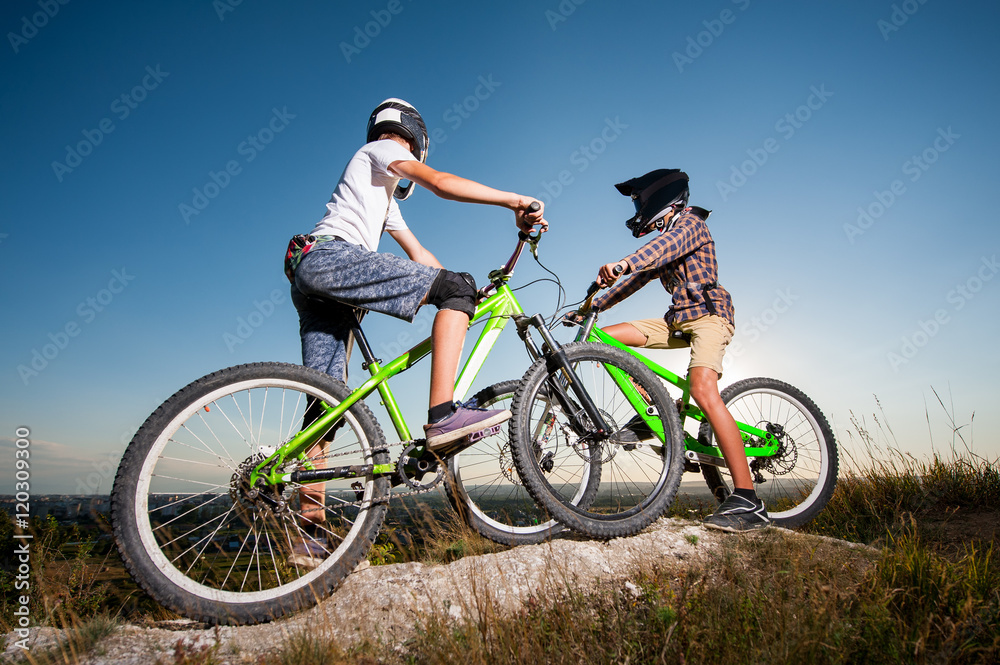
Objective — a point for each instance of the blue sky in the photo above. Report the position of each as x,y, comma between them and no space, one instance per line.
846,149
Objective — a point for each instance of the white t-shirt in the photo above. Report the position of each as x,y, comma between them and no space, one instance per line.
362,205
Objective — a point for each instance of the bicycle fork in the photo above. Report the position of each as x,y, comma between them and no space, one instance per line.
585,418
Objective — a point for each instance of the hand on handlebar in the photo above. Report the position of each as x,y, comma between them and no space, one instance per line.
609,273
576,318
572,318
529,214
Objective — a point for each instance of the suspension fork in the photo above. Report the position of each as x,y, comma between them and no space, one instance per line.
557,362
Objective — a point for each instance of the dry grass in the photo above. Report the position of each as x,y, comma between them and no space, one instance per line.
928,591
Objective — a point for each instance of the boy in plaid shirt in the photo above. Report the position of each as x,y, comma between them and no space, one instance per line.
682,257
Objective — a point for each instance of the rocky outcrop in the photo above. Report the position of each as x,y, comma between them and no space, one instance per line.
387,602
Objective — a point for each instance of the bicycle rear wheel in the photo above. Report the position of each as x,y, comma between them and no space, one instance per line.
638,475
200,540
798,481
486,490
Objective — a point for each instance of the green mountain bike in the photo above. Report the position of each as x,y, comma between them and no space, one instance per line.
789,445
208,501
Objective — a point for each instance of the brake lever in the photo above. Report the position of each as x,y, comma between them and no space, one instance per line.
532,240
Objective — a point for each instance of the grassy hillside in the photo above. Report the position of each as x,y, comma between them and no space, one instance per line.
922,585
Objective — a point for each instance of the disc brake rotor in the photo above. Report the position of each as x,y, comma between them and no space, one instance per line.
588,449
506,462
783,461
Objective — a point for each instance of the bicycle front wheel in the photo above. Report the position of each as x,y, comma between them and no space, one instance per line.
557,451
486,490
798,481
202,541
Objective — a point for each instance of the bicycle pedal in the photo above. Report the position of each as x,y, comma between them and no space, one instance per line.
483,433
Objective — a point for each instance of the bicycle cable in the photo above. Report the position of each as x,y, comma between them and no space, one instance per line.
561,293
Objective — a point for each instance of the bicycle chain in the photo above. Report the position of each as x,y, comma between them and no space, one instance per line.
381,449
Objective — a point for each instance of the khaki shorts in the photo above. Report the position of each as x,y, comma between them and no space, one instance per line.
710,335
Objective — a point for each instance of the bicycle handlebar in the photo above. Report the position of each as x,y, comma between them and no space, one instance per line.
594,288
522,239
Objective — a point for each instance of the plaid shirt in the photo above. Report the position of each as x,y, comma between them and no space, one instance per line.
683,258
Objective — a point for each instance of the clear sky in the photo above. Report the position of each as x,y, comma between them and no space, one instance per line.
158,156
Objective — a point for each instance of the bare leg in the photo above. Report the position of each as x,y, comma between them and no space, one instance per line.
627,334
313,497
705,390
447,337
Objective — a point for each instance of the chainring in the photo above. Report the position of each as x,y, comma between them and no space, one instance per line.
413,468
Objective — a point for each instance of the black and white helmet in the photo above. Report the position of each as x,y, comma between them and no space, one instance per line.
653,194
400,117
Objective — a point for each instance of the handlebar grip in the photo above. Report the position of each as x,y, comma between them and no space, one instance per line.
534,206
592,289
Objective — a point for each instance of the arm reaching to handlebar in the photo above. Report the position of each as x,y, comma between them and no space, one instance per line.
455,188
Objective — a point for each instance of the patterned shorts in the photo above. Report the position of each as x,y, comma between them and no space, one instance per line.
336,277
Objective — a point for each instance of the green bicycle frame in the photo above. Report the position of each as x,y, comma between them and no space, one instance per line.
760,443
495,312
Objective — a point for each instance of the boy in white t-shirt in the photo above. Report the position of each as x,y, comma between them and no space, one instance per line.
344,270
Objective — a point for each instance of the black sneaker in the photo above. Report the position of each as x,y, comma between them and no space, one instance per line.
737,514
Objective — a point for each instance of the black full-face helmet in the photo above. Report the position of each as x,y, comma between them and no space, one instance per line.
652,194
400,117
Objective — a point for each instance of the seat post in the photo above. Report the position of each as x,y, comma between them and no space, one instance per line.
359,336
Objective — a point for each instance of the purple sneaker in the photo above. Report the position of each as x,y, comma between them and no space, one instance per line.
462,427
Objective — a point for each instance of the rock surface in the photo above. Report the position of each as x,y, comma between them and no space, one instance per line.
387,602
